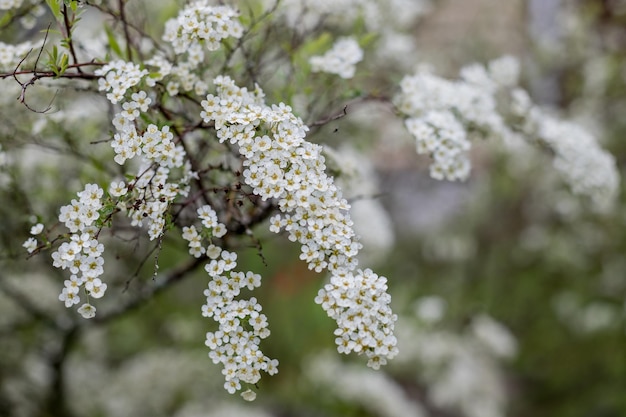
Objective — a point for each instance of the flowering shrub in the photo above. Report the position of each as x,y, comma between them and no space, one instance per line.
212,133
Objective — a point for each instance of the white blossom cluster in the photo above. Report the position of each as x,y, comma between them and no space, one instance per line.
10,4
377,15
341,59
280,164
375,392
242,326
152,196
197,27
82,254
359,303
31,243
439,114
118,77
440,135
11,55
176,381
462,370
586,167
587,317
583,165
152,190
181,76
391,20
442,113
200,23
358,180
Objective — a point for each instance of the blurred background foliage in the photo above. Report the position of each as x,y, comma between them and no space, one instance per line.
508,246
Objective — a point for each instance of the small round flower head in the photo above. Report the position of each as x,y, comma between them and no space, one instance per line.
36,229
248,395
213,251
30,244
117,189
87,311
340,60
505,71
69,297
12,55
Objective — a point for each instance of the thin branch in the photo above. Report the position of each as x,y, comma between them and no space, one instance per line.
49,74
127,24
129,50
331,118
159,286
68,32
344,111
27,304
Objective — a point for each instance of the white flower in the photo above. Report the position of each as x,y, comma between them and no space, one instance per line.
69,297
248,395
497,338
505,71
219,230
87,311
117,189
36,229
213,251
30,244
98,291
430,309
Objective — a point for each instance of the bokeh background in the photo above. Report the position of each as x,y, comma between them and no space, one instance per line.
511,295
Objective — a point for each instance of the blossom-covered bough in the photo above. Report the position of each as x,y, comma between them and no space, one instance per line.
442,113
205,152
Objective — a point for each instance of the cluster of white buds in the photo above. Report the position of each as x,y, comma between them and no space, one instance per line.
242,326
199,24
198,27
10,4
439,134
152,190
440,112
147,197
579,160
117,77
358,301
82,254
340,60
282,165
11,55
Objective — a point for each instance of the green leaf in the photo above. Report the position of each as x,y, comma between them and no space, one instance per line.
55,8
52,58
368,39
318,45
115,46
63,63
5,18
